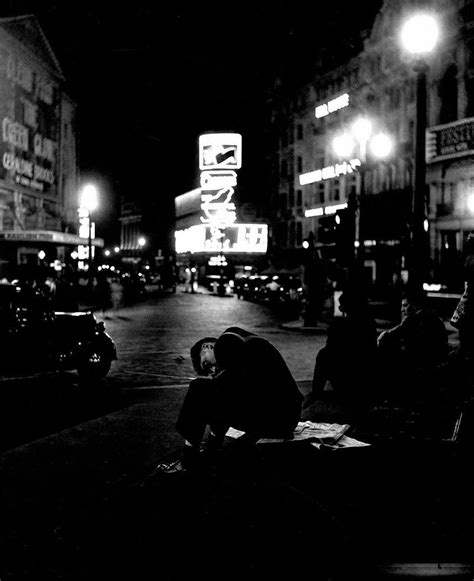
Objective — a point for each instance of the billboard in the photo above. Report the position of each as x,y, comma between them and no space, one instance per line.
29,117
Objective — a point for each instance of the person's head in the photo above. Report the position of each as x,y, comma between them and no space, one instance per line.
413,299
203,356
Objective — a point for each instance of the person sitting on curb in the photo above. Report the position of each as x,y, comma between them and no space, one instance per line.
348,360
245,384
412,352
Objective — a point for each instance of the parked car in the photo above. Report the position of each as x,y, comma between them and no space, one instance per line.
251,288
37,338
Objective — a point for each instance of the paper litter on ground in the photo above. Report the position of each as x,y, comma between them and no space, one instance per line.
318,433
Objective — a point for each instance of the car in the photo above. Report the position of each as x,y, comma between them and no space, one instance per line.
37,338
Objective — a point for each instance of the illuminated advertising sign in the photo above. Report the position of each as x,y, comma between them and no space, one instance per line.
332,105
220,151
450,140
242,238
324,210
331,171
219,155
29,118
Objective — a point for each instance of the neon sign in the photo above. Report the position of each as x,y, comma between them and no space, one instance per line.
332,106
326,210
219,155
218,179
242,238
331,171
220,151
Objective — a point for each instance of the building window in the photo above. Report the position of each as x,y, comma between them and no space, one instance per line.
300,131
300,164
321,193
291,137
299,198
299,233
292,234
470,53
284,139
284,169
282,202
291,200
448,92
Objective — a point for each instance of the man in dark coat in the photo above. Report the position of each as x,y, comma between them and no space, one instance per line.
245,384
412,352
347,363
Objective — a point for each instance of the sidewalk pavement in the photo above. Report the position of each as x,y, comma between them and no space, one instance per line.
78,505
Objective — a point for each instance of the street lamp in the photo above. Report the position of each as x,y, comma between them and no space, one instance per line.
89,201
419,35
361,138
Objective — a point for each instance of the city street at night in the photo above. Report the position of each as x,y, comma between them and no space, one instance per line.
236,290
78,503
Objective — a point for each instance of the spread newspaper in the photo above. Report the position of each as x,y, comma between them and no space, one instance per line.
317,433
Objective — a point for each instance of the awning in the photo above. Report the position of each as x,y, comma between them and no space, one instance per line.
45,236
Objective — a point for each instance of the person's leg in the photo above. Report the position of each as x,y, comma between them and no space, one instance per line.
195,415
196,411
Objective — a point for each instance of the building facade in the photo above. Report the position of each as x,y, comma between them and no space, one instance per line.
38,151
311,182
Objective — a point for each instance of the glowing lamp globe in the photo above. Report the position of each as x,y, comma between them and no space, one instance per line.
89,197
381,145
419,34
343,145
362,129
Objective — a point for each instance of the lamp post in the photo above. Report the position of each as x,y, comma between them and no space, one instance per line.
89,201
361,139
419,35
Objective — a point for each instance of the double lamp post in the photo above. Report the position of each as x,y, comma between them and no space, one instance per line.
419,35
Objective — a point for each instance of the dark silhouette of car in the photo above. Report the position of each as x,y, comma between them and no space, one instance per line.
35,337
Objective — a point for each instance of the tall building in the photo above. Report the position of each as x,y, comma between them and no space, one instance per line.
38,151
312,183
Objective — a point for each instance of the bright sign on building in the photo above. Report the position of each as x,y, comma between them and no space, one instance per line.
450,140
220,151
332,106
242,238
324,210
29,124
331,171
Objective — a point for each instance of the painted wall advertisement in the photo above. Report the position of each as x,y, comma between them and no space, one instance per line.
29,117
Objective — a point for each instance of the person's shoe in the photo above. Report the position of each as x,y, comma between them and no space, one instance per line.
170,468
189,460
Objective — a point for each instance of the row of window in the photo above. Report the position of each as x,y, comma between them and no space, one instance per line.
289,234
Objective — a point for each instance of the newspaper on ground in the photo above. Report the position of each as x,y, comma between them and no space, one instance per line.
317,433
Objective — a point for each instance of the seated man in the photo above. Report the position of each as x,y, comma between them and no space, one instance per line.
412,352
248,387
348,360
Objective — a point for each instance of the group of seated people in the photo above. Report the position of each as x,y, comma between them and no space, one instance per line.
243,381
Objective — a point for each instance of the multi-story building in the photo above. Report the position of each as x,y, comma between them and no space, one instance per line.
311,182
38,151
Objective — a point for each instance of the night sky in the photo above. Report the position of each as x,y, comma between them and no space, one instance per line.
149,77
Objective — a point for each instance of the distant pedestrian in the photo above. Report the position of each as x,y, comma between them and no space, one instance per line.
116,293
103,293
244,383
